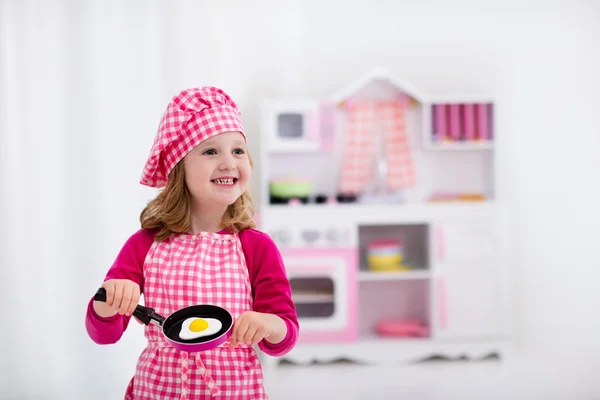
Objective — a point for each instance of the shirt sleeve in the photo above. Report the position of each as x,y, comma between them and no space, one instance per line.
128,265
271,288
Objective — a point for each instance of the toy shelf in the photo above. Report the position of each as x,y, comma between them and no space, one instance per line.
393,271
368,276
412,238
458,123
460,146
402,301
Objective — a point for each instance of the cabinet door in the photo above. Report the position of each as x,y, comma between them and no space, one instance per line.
459,242
468,304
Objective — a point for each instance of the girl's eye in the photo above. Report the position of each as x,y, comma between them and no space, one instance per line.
239,151
209,152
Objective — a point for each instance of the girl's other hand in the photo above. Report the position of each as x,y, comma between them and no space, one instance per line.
251,327
122,296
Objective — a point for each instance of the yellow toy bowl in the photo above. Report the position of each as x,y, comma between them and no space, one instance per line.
390,268
385,261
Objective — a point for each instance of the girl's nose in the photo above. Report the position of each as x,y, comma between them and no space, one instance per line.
228,163
227,166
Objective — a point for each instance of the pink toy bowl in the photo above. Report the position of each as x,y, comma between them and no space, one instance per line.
385,245
401,328
171,325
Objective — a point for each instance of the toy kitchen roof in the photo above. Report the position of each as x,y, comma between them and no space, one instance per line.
379,83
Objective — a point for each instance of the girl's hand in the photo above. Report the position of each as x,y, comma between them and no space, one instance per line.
122,296
251,327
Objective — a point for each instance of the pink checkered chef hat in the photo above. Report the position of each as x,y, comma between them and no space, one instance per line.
191,117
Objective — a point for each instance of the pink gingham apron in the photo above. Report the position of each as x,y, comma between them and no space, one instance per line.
186,270
363,120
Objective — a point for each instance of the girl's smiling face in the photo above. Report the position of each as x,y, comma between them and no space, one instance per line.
218,171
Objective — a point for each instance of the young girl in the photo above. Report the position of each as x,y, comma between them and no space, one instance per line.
196,246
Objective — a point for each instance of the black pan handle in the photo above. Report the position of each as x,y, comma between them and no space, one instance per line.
145,314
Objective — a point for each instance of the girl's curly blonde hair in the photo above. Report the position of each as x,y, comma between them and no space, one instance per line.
170,211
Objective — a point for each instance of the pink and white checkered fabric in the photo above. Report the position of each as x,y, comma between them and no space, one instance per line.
363,120
192,116
184,270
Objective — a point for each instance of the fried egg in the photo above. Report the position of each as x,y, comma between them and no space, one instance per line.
193,328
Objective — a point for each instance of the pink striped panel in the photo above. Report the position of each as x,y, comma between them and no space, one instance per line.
440,121
482,125
454,122
469,124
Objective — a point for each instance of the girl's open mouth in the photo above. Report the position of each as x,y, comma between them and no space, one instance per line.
225,182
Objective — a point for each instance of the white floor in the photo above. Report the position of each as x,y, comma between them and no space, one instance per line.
437,380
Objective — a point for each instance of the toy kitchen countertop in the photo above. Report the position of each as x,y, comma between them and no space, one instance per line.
310,237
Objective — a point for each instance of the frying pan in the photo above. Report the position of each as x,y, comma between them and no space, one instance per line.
171,325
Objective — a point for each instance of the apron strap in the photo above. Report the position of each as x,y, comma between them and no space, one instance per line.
214,389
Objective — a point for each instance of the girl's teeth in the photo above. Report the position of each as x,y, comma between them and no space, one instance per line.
224,181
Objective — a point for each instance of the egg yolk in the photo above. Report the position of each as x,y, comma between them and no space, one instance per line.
198,325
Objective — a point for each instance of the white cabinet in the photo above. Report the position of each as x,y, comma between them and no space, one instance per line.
468,285
468,304
471,240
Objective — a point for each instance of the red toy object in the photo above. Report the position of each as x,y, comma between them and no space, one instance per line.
401,328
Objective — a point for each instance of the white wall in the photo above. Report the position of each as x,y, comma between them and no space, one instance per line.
539,59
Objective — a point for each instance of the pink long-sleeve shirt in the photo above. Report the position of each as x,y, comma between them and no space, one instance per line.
271,289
